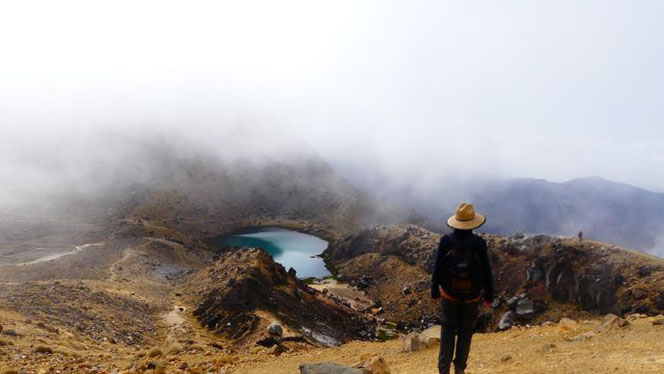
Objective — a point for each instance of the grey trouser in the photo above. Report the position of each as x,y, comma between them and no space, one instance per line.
458,320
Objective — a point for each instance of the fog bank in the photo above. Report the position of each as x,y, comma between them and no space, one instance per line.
390,93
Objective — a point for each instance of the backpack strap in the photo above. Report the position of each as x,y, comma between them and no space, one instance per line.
473,252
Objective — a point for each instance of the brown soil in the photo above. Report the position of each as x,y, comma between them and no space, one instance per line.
635,349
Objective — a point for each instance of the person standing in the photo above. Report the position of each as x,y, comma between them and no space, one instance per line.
461,279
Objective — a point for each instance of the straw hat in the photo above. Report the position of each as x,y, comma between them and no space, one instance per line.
465,218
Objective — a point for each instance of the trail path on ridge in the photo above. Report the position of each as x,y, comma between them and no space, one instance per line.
636,349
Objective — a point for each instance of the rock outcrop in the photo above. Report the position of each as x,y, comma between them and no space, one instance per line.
243,286
537,276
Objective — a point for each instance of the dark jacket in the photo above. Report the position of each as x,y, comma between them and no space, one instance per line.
473,243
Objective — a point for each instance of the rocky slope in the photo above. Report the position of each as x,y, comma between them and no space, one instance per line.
572,347
153,303
245,290
537,277
150,302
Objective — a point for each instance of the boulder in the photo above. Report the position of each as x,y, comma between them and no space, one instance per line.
610,322
506,321
328,368
374,365
433,331
428,341
567,324
411,342
275,329
525,307
513,301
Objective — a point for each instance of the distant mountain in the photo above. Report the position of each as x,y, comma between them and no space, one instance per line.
604,210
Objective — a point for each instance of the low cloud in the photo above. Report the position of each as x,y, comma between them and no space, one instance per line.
393,96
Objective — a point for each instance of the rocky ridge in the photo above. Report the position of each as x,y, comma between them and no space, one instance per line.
537,277
245,290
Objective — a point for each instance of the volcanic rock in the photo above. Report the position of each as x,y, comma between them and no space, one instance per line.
263,285
525,307
374,365
275,329
610,322
506,320
328,368
411,342
567,324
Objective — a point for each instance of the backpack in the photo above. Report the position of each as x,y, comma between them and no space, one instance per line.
462,270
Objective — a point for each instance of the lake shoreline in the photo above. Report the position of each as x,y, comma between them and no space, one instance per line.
295,249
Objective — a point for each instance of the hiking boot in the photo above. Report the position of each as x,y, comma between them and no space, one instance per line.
458,371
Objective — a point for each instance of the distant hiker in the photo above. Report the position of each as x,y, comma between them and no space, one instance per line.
462,271
581,235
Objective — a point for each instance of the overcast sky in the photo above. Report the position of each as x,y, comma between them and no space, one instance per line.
547,89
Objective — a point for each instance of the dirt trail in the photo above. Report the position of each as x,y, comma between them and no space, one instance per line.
176,324
127,253
636,349
116,268
56,256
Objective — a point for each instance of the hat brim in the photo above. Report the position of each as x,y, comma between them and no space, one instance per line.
474,223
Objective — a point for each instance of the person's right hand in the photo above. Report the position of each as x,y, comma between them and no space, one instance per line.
439,298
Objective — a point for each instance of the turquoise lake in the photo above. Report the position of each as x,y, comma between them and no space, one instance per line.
289,248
